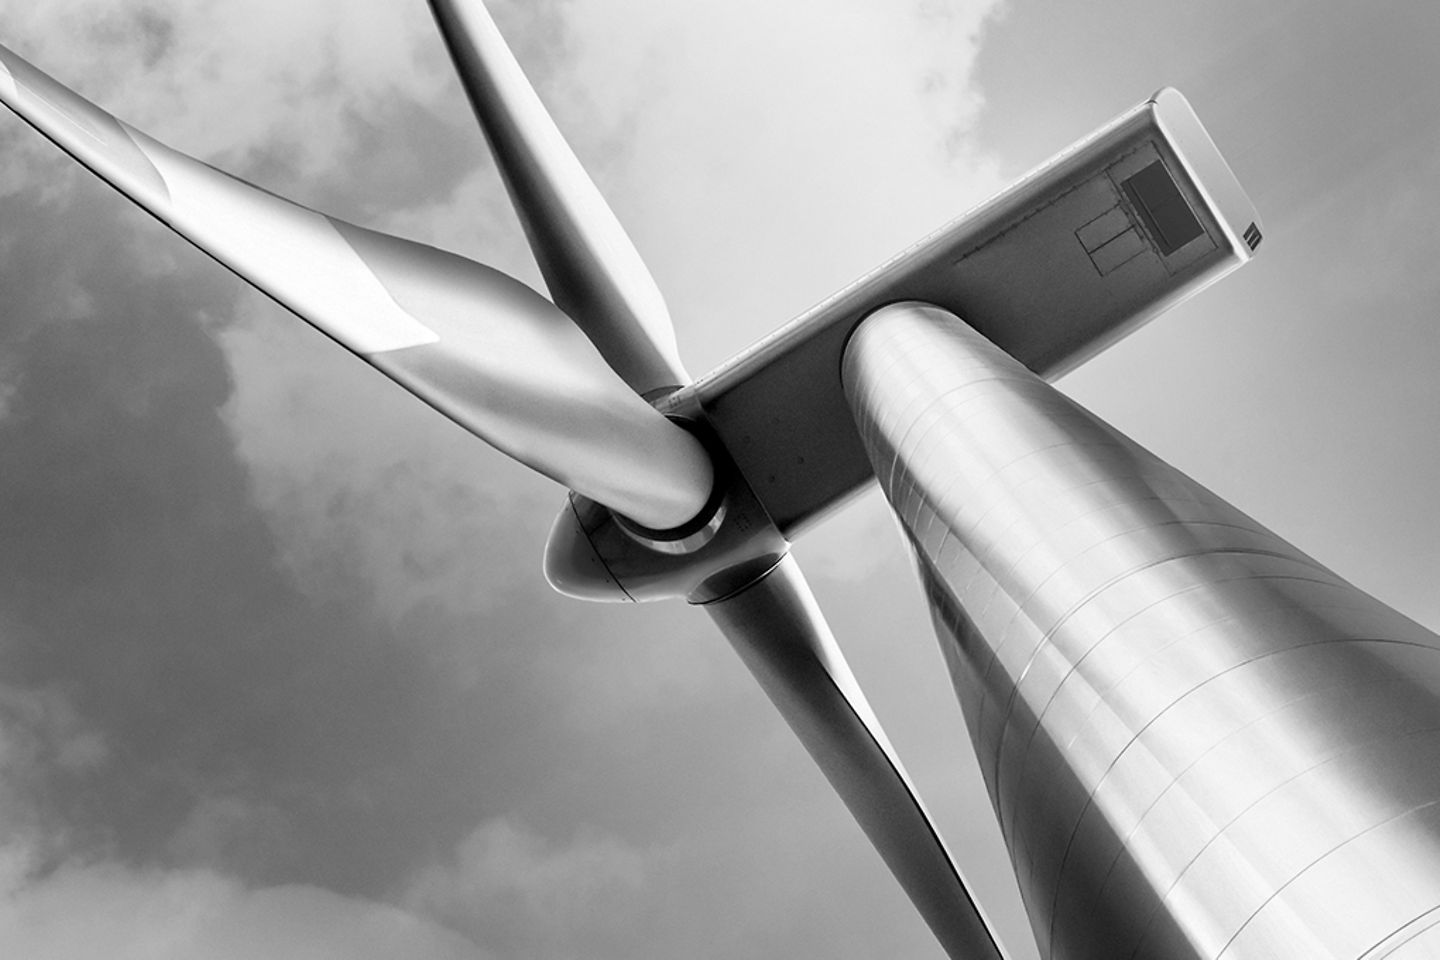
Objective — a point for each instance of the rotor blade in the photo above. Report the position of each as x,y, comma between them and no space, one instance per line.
593,271
778,630
481,347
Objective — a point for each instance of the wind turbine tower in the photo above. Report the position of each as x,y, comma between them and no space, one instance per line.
1198,741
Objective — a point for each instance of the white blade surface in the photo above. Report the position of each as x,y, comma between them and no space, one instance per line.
777,628
481,347
590,266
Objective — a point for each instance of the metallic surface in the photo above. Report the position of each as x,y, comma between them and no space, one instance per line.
1052,269
590,266
1199,742
593,554
778,631
480,347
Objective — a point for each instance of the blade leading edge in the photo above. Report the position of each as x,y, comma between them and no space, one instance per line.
591,268
777,628
477,345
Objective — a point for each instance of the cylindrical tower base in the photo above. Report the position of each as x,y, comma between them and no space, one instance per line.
1199,742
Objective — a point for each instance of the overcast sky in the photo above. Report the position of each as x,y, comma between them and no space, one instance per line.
279,675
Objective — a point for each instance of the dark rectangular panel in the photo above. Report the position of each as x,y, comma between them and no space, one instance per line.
1164,210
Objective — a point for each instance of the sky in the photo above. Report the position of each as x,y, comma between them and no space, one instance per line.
279,675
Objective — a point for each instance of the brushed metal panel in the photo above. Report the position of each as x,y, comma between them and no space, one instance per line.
1417,940
1198,741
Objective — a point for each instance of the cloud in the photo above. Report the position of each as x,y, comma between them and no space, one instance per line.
763,155
42,727
143,592
359,480
106,911
247,835
520,894
221,79
45,747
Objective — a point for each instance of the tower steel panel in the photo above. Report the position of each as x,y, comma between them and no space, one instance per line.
1199,741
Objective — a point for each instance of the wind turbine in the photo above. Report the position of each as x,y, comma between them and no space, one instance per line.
1042,536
